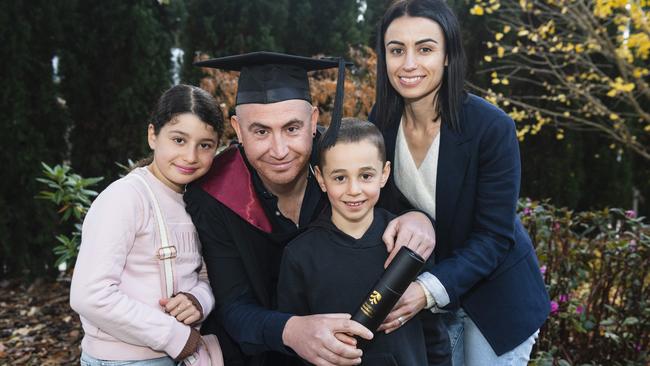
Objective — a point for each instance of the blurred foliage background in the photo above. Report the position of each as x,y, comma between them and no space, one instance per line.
81,77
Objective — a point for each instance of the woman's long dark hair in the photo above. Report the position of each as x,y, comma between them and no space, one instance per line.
389,105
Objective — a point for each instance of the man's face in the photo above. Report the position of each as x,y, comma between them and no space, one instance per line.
277,139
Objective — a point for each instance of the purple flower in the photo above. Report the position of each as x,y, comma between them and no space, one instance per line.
527,211
555,307
632,246
630,214
564,298
579,309
556,226
543,269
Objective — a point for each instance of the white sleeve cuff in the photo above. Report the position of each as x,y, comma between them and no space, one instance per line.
433,289
430,301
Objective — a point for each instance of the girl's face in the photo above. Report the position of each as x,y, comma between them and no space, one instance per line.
183,150
415,57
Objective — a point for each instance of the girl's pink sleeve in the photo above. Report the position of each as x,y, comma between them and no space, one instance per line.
203,292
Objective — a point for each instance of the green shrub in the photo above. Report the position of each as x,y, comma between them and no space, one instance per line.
71,195
596,267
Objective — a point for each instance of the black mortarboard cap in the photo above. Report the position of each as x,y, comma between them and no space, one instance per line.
269,77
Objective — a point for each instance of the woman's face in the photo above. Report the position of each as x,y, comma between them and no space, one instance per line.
415,57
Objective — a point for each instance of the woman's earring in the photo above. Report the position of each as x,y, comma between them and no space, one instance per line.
313,134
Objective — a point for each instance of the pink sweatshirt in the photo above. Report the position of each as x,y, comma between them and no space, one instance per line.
116,283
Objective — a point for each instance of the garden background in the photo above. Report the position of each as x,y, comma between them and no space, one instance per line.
80,78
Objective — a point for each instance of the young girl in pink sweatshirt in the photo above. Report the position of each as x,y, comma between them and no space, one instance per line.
117,286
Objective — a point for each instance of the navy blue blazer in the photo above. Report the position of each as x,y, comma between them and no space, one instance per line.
484,256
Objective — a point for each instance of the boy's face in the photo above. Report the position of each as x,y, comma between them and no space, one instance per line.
352,176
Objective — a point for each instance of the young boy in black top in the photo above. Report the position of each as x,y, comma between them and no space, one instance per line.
331,267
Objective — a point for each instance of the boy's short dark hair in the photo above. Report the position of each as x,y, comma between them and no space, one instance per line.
355,130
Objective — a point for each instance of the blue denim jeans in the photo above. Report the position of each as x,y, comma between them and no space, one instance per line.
470,348
87,360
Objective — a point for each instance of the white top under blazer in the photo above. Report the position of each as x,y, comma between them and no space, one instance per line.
418,185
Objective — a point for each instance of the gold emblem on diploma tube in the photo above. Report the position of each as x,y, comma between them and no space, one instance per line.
375,298
367,307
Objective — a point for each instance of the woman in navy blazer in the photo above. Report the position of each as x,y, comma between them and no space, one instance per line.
456,157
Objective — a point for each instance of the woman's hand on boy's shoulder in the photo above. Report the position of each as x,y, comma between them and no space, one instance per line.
413,230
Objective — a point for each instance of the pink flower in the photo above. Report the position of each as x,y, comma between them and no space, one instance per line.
556,226
555,307
630,214
543,269
579,309
564,298
527,211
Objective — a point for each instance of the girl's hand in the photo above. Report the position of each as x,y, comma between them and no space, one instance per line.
407,307
182,308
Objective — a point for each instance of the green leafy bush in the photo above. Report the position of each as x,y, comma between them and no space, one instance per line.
71,195
596,267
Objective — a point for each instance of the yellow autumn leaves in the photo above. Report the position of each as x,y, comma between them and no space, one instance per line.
618,86
485,6
576,63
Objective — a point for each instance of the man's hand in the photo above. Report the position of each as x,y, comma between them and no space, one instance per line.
413,230
407,307
325,339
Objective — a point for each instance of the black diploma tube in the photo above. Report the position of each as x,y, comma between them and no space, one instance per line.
391,285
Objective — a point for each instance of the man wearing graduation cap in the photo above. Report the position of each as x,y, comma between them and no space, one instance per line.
260,194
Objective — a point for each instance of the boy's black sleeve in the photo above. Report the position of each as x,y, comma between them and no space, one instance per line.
292,287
